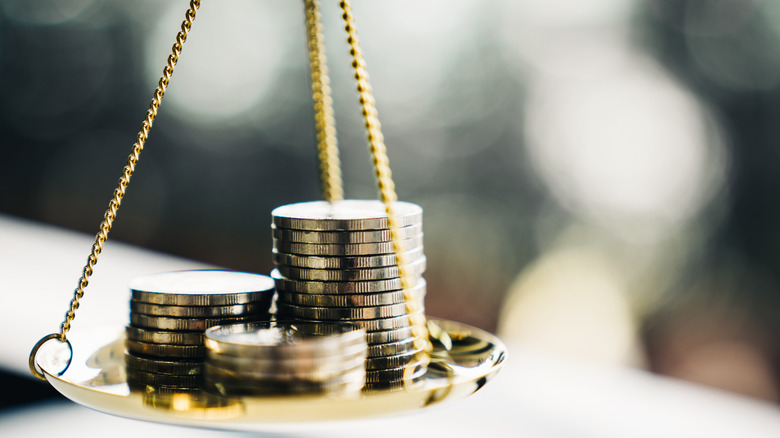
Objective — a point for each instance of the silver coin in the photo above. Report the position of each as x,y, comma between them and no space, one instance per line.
356,262
344,215
158,366
374,325
411,371
384,336
350,300
200,311
201,288
276,340
188,324
341,313
163,336
391,348
394,361
344,237
334,287
348,250
414,269
165,350
303,364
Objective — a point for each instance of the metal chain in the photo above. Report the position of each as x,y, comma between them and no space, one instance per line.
124,180
324,123
384,180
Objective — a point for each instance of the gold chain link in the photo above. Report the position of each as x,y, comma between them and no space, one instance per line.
324,123
384,180
124,180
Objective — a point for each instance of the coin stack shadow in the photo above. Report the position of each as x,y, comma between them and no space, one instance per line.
169,312
335,262
284,359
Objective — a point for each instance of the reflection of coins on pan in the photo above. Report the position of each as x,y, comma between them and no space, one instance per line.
391,385
188,381
415,269
199,311
341,313
392,374
217,373
374,325
394,361
165,350
346,215
233,388
334,287
391,348
202,288
162,390
188,324
344,237
350,249
157,366
355,262
384,336
350,300
280,339
163,336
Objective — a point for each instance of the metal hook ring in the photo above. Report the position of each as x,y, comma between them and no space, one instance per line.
34,368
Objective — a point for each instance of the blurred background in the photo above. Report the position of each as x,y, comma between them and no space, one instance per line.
597,177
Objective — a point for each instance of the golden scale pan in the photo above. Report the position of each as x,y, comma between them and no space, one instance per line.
88,366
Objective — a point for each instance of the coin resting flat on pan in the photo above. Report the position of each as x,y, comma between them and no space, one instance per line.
344,215
162,366
344,237
352,262
414,269
201,288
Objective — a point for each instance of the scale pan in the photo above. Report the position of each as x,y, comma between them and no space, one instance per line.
97,378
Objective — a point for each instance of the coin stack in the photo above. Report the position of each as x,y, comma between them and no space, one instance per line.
285,358
335,262
170,311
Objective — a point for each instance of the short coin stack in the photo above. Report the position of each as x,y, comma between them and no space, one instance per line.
335,262
285,359
170,311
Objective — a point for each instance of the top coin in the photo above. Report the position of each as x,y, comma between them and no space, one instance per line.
346,215
201,288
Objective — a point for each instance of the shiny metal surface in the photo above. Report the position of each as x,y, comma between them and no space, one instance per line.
97,379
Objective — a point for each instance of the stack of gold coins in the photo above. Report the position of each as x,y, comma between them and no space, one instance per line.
170,311
335,262
282,358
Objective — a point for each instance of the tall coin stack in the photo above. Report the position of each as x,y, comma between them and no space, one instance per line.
335,262
169,312
281,358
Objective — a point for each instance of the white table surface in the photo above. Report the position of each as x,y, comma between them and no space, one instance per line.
535,395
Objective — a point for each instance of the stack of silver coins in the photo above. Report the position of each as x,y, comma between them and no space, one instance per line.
335,262
285,358
170,311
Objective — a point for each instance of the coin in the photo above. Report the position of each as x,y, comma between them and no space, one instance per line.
191,324
394,361
374,325
164,336
350,249
334,287
341,313
350,300
303,365
158,366
356,262
381,337
281,340
163,379
415,269
165,350
415,370
345,215
200,311
202,288
391,348
344,237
